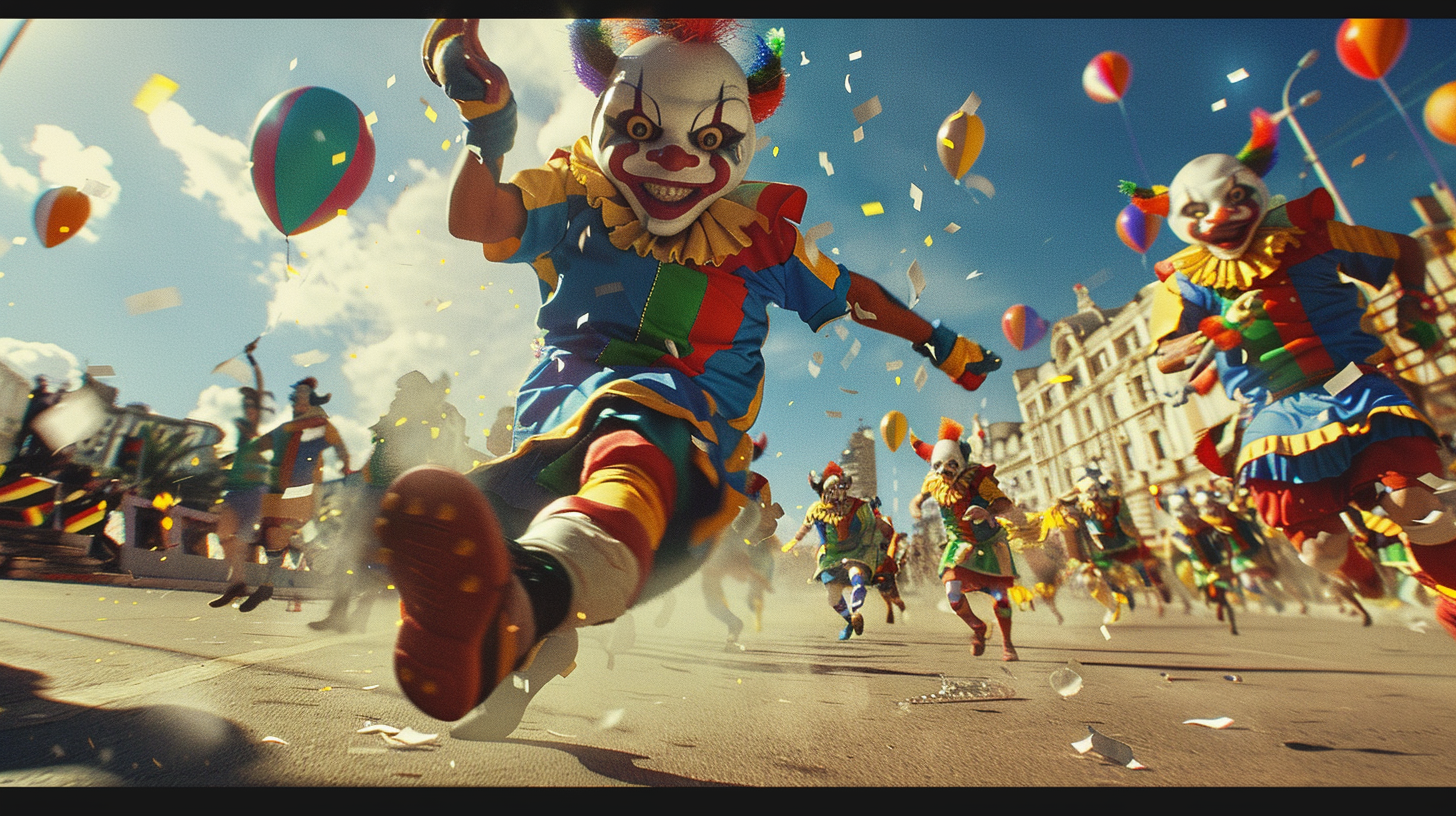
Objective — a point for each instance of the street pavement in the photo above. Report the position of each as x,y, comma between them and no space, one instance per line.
105,686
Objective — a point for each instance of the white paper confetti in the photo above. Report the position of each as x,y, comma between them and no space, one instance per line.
1218,723
410,738
803,58
671,347
377,728
1108,747
813,237
840,331
921,377
1106,635
584,318
833,414
858,134
608,288
917,282
74,418
762,142
814,370
1238,75
1343,380
974,274
818,358
980,183
1436,483
854,55
916,196
952,228
846,84
155,300
848,390
100,371
824,163
849,358
305,359
867,110
389,83
96,189
894,365
862,314
1220,104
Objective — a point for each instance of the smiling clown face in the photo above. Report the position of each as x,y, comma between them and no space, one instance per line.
673,130
1218,202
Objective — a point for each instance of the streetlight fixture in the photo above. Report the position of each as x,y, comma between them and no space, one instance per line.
1287,112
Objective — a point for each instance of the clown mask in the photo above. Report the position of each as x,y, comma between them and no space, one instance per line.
947,459
1218,202
673,130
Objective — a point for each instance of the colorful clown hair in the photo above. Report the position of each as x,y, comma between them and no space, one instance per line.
1259,154
831,471
760,445
949,429
596,44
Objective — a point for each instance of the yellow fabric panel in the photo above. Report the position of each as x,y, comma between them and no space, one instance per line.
1354,238
1306,442
630,488
1167,310
823,267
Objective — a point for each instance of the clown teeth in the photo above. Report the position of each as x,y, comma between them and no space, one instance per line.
667,193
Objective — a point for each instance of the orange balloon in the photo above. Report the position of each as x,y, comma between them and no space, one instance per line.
1106,77
1441,113
959,142
1370,48
60,214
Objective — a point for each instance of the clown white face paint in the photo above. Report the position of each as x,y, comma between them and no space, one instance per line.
946,459
1218,202
673,131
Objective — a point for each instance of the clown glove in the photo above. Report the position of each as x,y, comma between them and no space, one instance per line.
962,359
455,60
1416,319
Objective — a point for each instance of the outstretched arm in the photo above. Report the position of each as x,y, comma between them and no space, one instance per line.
962,359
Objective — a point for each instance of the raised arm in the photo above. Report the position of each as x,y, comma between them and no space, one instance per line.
963,360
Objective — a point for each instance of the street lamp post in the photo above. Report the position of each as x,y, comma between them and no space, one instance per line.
1309,154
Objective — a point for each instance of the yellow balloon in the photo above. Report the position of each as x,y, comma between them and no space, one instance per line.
893,428
959,142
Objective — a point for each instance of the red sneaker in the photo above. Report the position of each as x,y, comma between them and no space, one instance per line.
466,619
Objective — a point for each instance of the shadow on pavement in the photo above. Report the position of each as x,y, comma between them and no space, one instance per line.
163,745
622,766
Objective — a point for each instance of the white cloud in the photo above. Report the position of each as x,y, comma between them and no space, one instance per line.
31,359
214,165
18,178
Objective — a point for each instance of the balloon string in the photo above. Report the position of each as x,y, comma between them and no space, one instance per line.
1136,153
1435,168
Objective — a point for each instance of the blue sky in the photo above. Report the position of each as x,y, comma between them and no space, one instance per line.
386,289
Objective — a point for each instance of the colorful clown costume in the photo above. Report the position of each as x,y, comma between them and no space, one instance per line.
656,263
850,534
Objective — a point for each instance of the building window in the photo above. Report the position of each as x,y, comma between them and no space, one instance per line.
1156,438
1122,345
1091,423
1138,390
1098,363
1112,405
1059,438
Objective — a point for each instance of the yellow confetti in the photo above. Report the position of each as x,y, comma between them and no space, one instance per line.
65,229
443,306
155,91
1359,160
371,120
291,270
343,212
1060,378
897,380
928,240
291,66
434,433
400,421
389,83
339,157
445,145
948,143
430,113
776,150
872,208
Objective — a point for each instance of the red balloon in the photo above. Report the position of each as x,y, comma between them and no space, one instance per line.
1440,113
312,156
60,214
1137,229
1023,327
1370,48
1106,76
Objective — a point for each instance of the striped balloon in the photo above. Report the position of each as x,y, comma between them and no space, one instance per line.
312,157
1137,229
1370,48
1105,78
959,142
60,214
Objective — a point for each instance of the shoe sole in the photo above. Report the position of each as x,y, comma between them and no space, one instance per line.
449,561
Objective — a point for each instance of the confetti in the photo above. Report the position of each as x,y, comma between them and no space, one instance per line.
854,55
443,305
814,370
917,282
819,357
156,299
608,288
1238,75
389,83
847,390
1060,378
671,347
894,365
18,240
293,64
833,414
95,189
840,331
974,274
849,358
610,719
429,111
1436,483
915,196
1219,723
921,377
814,236
308,358
1343,380
1109,748
980,183
154,91
270,740
803,58
100,371
1106,635
952,228
582,319
339,157
410,738
862,314
858,134
763,141
867,110
846,84
1220,104
75,417
371,120
1359,160
928,240
824,163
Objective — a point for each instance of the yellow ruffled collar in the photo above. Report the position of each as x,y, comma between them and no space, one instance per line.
717,234
1258,261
